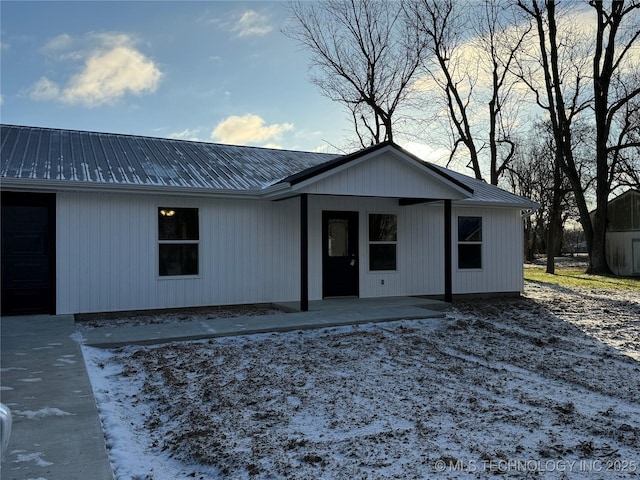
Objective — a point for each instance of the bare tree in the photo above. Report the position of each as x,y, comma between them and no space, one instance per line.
615,87
470,50
363,56
529,174
625,134
499,37
618,30
556,74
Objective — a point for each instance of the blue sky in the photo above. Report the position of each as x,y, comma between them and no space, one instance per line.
208,70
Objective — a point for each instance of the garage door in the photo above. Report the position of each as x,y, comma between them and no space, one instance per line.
28,253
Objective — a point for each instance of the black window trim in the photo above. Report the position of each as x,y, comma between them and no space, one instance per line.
384,242
167,205
470,242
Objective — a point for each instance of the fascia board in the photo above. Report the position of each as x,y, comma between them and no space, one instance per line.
480,204
34,185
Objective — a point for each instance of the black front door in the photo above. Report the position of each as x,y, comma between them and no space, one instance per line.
339,254
28,253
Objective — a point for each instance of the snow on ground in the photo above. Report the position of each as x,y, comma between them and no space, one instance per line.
546,386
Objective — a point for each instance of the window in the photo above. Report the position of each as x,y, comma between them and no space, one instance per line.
469,242
338,229
383,239
178,239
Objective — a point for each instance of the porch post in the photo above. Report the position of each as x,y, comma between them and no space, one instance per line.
304,254
448,290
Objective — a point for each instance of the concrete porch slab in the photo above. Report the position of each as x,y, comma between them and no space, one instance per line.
330,312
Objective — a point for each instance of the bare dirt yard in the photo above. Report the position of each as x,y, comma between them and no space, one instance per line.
545,386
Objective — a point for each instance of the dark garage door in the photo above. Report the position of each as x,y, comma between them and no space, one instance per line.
28,253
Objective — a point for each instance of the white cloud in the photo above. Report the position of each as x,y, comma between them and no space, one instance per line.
252,24
109,76
322,149
60,43
44,89
247,129
426,152
186,134
112,68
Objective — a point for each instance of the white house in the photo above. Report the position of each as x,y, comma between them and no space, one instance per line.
622,244
95,222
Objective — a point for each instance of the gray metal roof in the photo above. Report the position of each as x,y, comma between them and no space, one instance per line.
485,193
76,156
88,158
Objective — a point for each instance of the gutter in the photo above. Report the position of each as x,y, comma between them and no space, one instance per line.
37,185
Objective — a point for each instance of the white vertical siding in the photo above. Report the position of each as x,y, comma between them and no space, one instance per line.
420,247
107,248
383,176
623,252
502,252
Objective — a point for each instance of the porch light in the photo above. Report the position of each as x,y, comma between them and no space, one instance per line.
167,213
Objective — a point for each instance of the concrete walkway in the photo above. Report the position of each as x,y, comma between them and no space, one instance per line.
57,433
325,313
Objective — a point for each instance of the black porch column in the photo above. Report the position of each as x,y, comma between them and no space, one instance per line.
448,290
304,254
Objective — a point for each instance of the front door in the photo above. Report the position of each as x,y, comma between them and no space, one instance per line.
28,253
339,254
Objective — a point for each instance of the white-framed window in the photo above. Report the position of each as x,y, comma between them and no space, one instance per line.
469,243
383,241
178,241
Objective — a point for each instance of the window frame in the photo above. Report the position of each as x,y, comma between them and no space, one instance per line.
478,242
160,242
371,243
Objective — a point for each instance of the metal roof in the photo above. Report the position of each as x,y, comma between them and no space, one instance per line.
486,194
104,158
88,158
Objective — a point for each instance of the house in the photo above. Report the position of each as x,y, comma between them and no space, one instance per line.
95,222
622,243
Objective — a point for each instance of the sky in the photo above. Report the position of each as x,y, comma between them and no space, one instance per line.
203,70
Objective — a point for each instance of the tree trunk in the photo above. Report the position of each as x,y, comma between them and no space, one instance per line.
555,218
529,241
597,258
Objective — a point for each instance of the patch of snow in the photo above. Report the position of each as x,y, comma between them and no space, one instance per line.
78,337
521,387
43,412
66,359
32,457
30,380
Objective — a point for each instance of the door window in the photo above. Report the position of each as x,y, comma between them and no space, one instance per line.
338,240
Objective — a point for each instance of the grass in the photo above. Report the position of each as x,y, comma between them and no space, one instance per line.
577,278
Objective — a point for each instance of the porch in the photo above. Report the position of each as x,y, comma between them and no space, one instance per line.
331,312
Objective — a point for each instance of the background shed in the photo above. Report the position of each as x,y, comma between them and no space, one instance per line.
623,234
